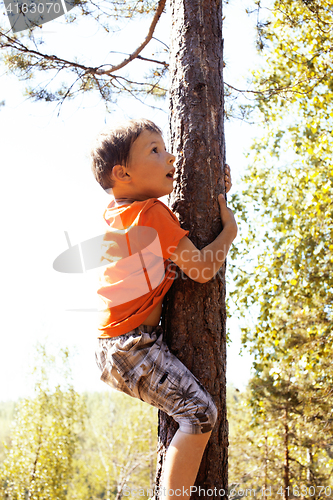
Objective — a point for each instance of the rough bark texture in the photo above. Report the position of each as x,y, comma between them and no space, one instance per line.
194,314
286,456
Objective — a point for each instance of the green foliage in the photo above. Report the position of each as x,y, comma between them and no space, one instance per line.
267,426
63,445
44,437
118,452
287,209
6,417
290,406
284,285
255,449
296,45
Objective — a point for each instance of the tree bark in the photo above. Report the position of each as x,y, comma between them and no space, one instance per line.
194,314
286,456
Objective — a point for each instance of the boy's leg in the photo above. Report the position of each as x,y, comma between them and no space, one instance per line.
182,463
144,367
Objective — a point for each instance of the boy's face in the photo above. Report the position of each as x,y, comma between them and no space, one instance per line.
150,167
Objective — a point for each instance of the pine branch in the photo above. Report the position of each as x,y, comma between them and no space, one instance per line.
13,43
134,55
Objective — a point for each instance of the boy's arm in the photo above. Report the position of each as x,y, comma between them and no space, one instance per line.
202,265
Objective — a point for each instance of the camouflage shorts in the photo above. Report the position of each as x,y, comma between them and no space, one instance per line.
140,364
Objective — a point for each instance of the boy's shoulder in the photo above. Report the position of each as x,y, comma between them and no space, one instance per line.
157,211
157,206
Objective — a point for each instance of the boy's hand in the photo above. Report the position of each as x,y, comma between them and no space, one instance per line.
212,256
227,178
227,216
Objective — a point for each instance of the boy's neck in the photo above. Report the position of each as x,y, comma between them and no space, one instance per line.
123,200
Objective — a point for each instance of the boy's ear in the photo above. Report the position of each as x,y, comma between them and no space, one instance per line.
120,174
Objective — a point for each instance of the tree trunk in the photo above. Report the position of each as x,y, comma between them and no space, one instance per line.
309,473
194,314
266,460
286,456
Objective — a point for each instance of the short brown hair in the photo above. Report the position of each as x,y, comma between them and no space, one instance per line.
112,147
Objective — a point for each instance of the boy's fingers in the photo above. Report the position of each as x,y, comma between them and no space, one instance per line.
227,179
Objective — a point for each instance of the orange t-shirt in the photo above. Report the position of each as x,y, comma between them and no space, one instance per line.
137,273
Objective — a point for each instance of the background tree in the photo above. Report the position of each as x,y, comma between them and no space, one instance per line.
6,417
65,445
251,448
284,283
277,445
287,209
45,436
117,456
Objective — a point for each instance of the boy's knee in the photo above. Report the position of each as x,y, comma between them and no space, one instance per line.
207,416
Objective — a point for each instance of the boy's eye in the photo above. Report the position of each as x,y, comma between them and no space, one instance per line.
155,150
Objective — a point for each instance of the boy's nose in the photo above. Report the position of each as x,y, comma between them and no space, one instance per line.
171,158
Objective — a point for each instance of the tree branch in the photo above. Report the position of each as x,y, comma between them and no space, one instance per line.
20,47
153,61
164,63
272,91
134,55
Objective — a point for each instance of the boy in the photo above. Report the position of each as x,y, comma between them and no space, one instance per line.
142,242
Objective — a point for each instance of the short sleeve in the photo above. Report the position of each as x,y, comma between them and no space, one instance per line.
160,217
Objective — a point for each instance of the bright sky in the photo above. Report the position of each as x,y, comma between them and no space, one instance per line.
47,188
